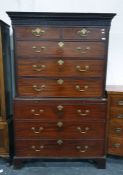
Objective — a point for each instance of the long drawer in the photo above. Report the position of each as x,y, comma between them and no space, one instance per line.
59,87
60,67
59,148
60,49
51,32
59,109
59,129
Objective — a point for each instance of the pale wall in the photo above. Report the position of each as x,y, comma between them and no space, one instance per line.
115,61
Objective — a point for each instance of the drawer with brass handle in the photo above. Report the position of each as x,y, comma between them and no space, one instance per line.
115,146
60,67
60,49
59,148
55,129
59,109
37,32
116,128
85,33
69,33
116,113
116,101
59,87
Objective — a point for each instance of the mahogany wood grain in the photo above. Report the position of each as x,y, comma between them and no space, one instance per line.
48,110
115,122
115,146
60,67
4,141
51,87
26,33
116,128
116,114
116,101
92,33
67,149
52,32
51,48
51,130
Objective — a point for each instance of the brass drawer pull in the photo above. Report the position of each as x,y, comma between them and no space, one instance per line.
82,150
60,124
60,62
59,142
81,90
86,68
61,44
120,103
37,150
83,50
60,82
118,130
116,145
38,89
38,67
37,131
60,107
40,111
86,129
83,114
38,50
119,116
83,32
38,32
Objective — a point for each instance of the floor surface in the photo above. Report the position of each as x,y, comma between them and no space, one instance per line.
114,167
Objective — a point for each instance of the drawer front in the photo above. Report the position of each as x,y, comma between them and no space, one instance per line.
37,32
60,49
85,33
115,146
53,109
60,67
116,101
59,129
60,148
42,87
116,128
51,32
116,114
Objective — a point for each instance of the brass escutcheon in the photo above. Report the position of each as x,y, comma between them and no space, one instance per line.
38,32
83,32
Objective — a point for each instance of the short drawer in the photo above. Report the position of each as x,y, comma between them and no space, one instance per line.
116,101
85,33
116,128
60,49
59,109
59,129
59,148
60,67
37,32
115,146
59,87
116,114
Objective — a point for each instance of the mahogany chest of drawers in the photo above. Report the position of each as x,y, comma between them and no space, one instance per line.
5,88
115,124
60,71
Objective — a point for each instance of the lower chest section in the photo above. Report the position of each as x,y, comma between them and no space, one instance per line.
59,127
